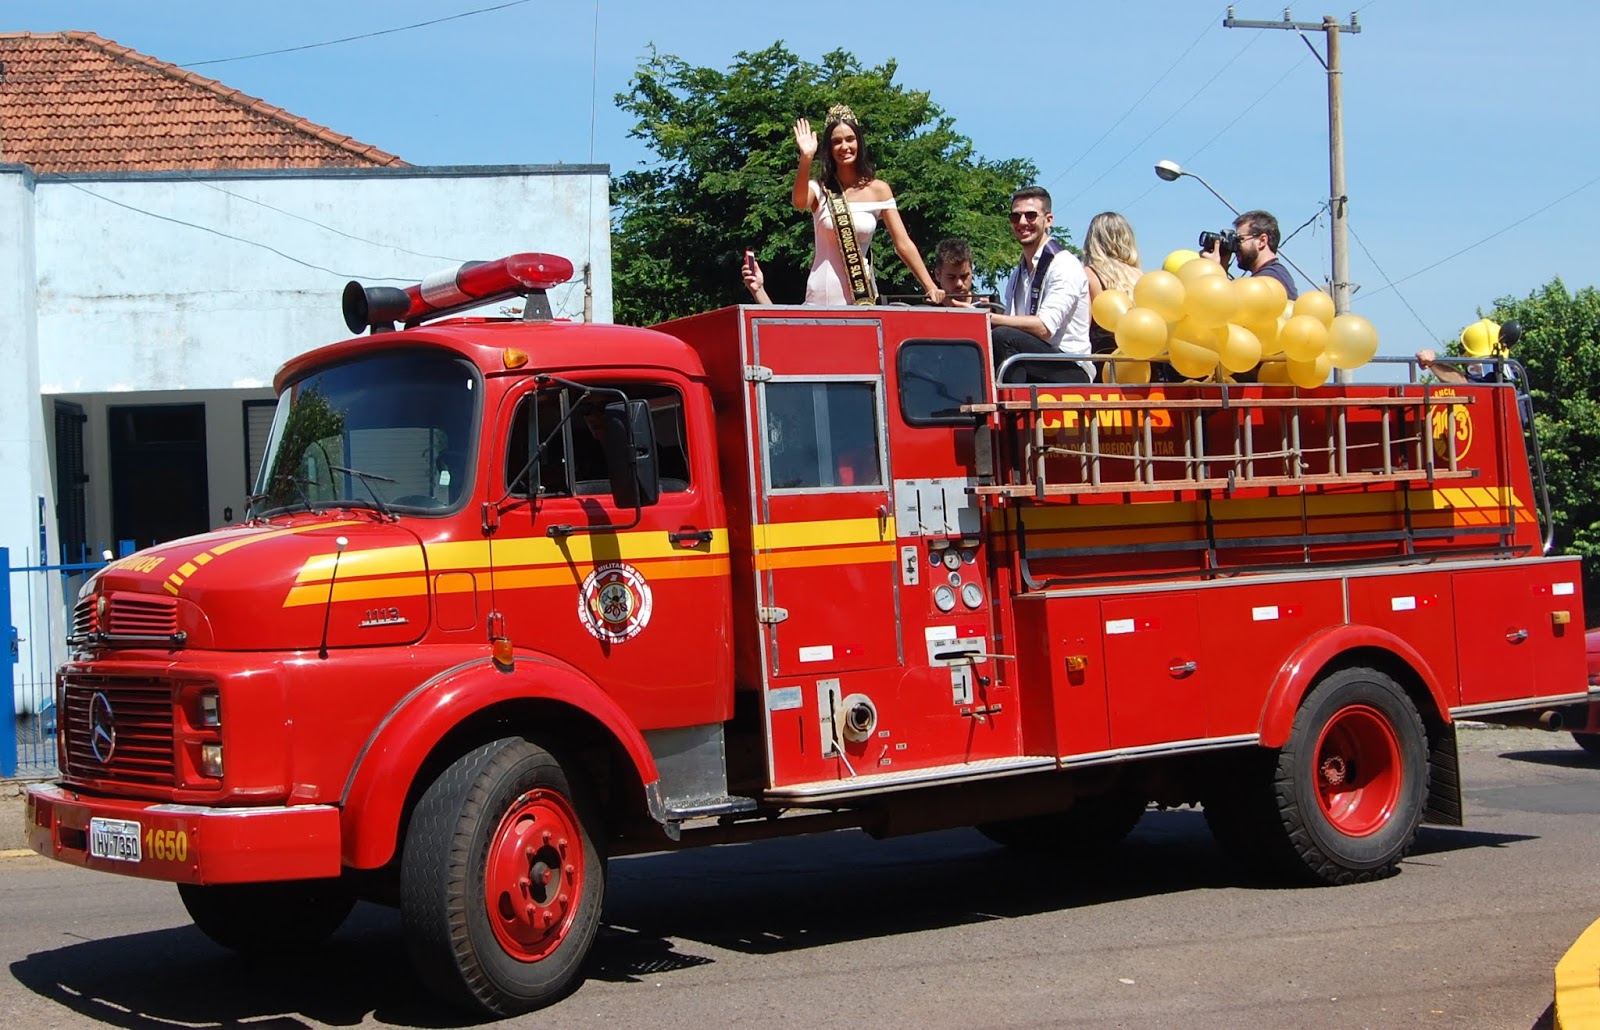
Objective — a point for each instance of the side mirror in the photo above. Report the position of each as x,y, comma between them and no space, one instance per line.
630,443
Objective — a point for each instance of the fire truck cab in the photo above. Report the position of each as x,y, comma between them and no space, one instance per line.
516,596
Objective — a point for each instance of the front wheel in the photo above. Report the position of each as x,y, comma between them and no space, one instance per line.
268,918
1590,742
1085,833
501,882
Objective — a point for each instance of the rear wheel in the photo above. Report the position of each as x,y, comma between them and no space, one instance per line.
268,918
1345,795
1085,832
501,882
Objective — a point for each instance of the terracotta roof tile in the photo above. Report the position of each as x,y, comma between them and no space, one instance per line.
74,102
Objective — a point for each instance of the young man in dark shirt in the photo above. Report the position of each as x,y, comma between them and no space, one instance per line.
1257,249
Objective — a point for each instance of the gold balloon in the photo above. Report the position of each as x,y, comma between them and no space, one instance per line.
1303,337
1201,269
1109,307
1257,301
1207,336
1280,296
1267,333
1316,304
1352,341
1191,360
1178,258
1210,300
1161,292
1275,373
1124,371
1141,333
1310,374
1241,350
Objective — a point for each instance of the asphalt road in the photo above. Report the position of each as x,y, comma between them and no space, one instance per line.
942,930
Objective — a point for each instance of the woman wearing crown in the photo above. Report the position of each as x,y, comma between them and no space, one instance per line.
846,203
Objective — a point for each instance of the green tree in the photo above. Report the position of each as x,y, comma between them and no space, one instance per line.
1560,348
725,162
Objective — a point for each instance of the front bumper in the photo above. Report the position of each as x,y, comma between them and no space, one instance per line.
187,843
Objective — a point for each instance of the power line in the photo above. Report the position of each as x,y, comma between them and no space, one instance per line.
1135,105
320,225
351,39
1486,239
239,239
1432,336
1192,98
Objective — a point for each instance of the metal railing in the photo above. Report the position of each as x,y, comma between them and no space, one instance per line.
28,733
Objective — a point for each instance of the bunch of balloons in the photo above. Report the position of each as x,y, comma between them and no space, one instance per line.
1191,315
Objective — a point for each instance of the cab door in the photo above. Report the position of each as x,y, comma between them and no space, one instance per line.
824,539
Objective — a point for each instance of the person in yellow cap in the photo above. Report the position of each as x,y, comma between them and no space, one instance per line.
1483,339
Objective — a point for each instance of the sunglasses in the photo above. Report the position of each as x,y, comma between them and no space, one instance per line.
1024,216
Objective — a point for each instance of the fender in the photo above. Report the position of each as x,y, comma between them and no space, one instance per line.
390,759
1294,679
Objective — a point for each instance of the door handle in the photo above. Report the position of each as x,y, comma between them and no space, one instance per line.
1181,669
1516,636
689,537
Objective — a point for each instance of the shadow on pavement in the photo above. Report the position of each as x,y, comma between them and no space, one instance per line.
760,898
1576,758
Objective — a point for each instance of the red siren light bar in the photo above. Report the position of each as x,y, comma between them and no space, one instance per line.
473,284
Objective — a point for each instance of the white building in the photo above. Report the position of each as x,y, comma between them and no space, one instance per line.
155,279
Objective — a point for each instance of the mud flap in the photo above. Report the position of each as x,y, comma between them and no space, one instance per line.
1444,778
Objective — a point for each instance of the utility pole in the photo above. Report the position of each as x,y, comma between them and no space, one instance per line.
1338,202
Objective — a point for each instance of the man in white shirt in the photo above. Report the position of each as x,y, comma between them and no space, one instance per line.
1046,298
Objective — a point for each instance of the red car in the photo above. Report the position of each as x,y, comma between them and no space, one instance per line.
1589,741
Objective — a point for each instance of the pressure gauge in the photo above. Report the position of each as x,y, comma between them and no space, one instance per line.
945,598
972,595
952,559
968,555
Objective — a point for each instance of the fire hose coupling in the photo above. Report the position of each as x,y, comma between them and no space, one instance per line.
858,718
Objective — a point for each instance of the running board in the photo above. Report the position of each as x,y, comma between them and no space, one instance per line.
910,779
1524,704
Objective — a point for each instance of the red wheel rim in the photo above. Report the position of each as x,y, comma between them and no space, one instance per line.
535,876
1358,771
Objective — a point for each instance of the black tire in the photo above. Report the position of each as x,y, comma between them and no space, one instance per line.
1084,833
1345,795
268,918
501,883
1590,742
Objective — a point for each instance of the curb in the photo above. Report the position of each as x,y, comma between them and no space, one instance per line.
1578,983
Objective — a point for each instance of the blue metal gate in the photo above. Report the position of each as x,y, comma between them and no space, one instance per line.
28,734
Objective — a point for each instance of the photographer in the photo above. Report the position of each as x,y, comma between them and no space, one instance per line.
1254,241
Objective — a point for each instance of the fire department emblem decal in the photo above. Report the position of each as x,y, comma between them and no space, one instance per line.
614,602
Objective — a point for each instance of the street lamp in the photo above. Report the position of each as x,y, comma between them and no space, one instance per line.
1171,171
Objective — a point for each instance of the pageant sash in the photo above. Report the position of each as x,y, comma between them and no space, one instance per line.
862,289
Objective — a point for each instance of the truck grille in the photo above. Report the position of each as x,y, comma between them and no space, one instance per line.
119,729
84,621
145,616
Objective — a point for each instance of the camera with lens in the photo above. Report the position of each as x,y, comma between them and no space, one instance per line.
1227,242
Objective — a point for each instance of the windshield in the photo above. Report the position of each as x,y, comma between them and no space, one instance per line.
393,431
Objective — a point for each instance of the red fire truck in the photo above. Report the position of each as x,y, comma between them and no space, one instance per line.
520,595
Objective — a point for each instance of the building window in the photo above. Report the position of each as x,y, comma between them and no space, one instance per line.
257,426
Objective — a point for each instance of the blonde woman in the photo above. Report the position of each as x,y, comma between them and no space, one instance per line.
840,271
1110,262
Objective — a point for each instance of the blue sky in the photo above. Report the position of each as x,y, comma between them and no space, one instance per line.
1462,119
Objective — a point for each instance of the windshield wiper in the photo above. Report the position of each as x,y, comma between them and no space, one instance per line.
366,478
282,477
